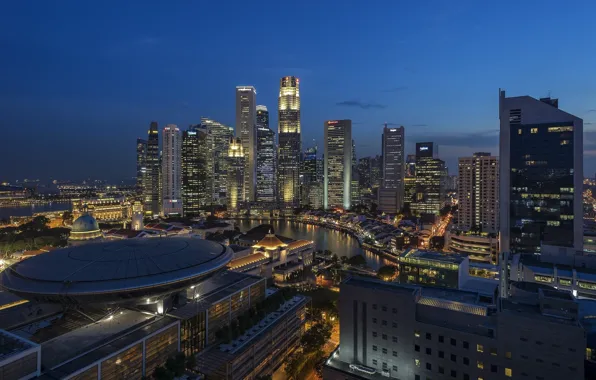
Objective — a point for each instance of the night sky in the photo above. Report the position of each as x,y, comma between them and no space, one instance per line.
80,82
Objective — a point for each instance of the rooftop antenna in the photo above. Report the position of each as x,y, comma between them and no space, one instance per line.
548,94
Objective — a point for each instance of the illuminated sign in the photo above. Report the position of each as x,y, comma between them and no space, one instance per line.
393,130
332,122
423,148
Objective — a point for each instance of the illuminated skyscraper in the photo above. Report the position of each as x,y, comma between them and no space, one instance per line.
410,181
265,157
338,164
391,193
355,195
153,188
289,149
311,172
171,171
246,129
429,180
197,170
221,135
541,175
141,180
236,166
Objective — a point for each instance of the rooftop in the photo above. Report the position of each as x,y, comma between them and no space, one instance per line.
432,256
270,241
11,344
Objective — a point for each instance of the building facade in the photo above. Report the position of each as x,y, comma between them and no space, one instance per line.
236,167
312,186
246,130
337,164
429,180
541,159
221,135
393,158
152,199
141,179
478,193
172,171
266,157
289,149
197,170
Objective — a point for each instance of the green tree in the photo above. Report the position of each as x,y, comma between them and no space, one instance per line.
357,260
315,338
67,218
162,373
387,271
191,362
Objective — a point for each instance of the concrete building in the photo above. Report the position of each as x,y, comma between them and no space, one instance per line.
236,176
409,332
312,179
337,164
171,171
429,180
481,248
391,193
541,175
478,193
197,170
104,209
290,146
432,269
141,179
266,157
136,219
246,129
221,135
19,357
152,190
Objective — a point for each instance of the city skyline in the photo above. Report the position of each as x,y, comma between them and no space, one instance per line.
140,72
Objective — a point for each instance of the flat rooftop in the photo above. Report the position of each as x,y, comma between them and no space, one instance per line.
432,256
12,345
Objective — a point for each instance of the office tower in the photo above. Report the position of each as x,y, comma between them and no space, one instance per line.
197,170
246,125
391,193
410,181
171,171
355,182
266,154
221,135
141,180
399,331
312,186
478,193
289,148
338,164
376,170
364,174
541,175
152,198
430,172
236,175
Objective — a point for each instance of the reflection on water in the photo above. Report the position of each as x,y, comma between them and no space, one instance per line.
337,242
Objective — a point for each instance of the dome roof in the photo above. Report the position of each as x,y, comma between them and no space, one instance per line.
270,241
85,223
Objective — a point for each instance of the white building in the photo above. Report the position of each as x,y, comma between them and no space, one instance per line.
171,171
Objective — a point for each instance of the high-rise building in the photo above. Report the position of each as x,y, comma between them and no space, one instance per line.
429,180
171,171
246,129
141,180
410,181
266,154
289,148
338,164
221,135
152,198
478,193
312,187
376,171
364,174
541,175
355,182
236,175
391,193
197,170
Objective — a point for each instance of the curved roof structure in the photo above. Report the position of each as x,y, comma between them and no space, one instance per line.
270,241
113,272
85,228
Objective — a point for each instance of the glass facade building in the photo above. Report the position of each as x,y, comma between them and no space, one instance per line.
338,164
246,130
429,180
266,157
236,167
197,170
152,197
171,171
141,167
289,148
221,135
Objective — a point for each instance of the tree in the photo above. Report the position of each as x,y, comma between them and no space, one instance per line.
40,223
387,271
161,373
334,258
67,218
315,338
357,260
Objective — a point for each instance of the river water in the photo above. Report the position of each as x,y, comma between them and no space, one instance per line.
7,212
337,242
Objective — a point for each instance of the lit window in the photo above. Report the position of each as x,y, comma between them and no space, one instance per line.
480,364
508,354
479,348
417,334
534,130
493,351
560,129
519,131
417,362
508,372
565,142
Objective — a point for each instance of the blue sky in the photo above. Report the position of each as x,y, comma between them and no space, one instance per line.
80,81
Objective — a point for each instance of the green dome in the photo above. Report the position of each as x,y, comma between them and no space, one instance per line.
85,223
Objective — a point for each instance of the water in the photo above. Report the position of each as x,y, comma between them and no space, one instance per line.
337,242
7,212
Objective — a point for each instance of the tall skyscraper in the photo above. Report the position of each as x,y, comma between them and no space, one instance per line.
289,149
171,171
266,154
152,191
141,180
312,187
541,175
197,170
376,171
429,179
338,164
355,182
236,175
364,174
246,129
478,193
391,193
410,181
221,135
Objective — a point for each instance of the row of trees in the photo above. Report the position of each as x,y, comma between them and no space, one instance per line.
32,235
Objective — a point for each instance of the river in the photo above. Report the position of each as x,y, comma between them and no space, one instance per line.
7,212
337,242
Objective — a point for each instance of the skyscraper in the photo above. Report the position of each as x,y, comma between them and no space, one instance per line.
197,170
338,164
289,149
429,179
391,193
266,155
141,179
364,174
236,175
221,135
153,188
541,160
355,182
376,171
410,181
246,129
171,171
478,193
312,188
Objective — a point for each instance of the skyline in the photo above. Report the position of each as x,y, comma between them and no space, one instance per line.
433,69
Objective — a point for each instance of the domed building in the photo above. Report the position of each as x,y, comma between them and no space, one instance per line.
85,229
